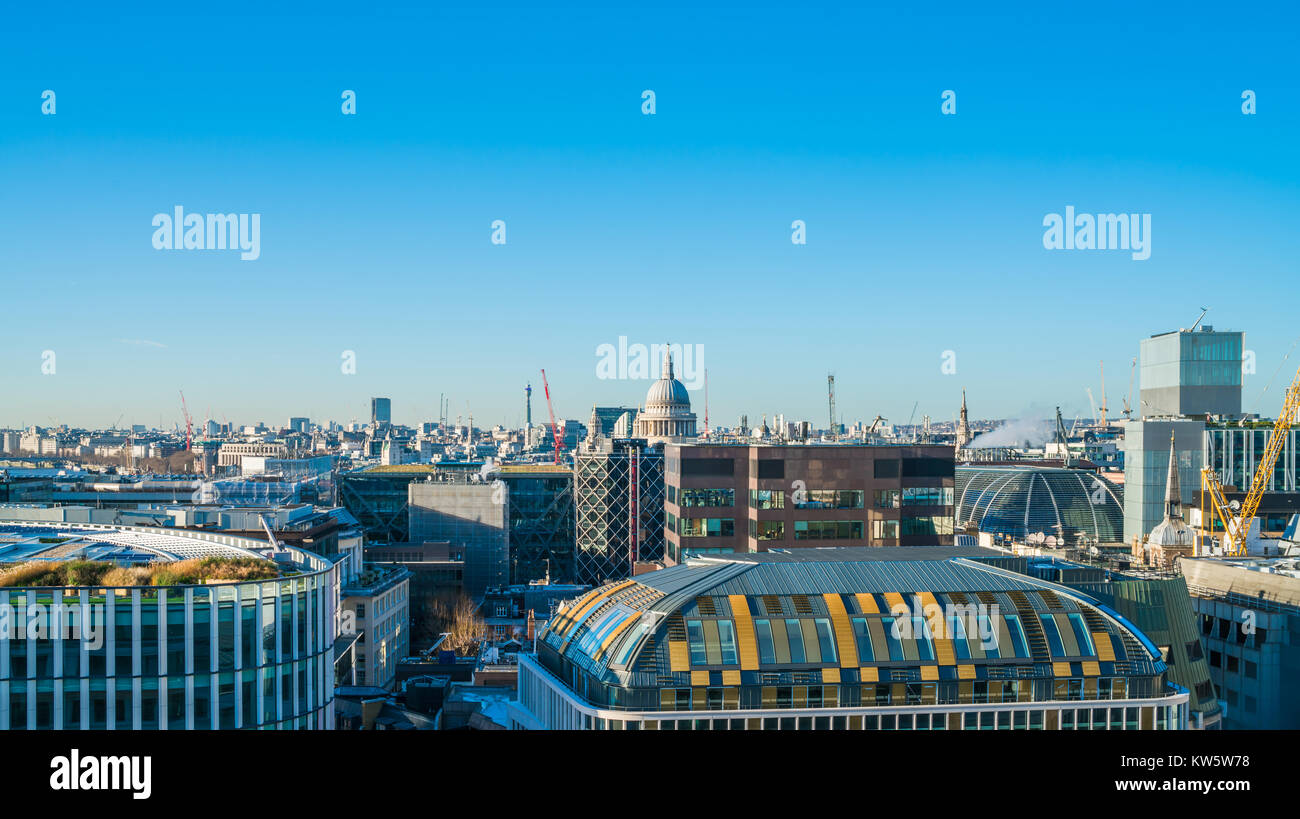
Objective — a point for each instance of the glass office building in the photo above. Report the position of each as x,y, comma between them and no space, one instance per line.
1191,373
214,655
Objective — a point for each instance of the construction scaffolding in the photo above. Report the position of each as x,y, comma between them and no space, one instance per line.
618,494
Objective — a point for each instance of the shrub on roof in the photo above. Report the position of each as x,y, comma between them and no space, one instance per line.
100,573
126,576
35,573
84,572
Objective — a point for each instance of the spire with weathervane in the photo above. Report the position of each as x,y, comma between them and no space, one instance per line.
963,427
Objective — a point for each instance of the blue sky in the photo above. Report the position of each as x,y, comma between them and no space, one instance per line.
924,231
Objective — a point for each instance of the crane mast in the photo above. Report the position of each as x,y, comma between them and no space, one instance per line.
189,426
1102,408
555,431
1128,409
1236,522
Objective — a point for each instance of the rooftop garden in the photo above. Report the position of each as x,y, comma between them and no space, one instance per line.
193,572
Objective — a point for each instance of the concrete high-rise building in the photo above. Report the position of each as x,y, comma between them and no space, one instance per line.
1191,373
474,518
381,411
1147,453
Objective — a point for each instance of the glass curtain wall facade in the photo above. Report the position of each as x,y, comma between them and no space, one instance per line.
1191,373
221,656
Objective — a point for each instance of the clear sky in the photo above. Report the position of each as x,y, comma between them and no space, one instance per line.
924,231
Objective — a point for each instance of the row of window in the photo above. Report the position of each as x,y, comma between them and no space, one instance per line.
701,497
257,631
975,692
827,499
230,698
1130,718
795,641
1225,629
706,527
828,530
927,525
914,496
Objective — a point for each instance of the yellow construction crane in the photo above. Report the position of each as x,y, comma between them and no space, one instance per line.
1236,517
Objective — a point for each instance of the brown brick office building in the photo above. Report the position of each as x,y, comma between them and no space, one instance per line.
754,498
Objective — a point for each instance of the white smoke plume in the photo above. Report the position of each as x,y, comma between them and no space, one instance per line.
1028,430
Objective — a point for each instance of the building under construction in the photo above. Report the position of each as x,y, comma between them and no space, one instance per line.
618,493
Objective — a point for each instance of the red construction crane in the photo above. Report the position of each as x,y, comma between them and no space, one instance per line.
189,427
555,431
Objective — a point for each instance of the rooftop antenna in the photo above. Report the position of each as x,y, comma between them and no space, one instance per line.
830,397
1204,310
706,402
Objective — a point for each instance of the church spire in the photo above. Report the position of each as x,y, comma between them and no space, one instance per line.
668,362
1173,494
963,426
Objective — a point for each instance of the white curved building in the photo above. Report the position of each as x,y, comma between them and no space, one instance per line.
177,655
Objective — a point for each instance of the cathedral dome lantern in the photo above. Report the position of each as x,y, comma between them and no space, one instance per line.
667,415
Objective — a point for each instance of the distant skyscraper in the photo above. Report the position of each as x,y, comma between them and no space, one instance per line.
381,411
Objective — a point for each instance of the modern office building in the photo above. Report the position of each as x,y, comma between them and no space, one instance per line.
868,640
377,497
606,418
133,628
1233,449
1189,372
381,412
541,524
618,495
1249,612
736,498
1075,507
1146,469
474,518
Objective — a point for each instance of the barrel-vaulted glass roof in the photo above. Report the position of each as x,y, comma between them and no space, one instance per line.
958,618
1024,501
